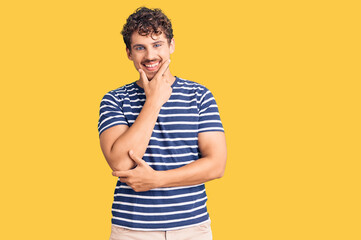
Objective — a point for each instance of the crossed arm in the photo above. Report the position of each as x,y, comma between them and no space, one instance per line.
210,166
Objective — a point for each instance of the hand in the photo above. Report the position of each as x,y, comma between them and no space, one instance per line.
159,89
141,178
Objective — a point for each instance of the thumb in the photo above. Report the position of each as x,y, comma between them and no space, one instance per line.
136,159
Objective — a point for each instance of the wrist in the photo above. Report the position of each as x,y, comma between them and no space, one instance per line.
159,179
153,105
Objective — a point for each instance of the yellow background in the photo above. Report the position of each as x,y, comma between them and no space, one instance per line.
285,74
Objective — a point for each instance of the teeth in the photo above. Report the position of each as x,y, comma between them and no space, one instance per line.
153,65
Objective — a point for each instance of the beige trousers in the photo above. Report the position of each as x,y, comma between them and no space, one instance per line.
200,232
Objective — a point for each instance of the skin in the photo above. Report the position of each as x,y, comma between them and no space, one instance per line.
122,146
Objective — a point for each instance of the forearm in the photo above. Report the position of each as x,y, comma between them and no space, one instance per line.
136,138
197,172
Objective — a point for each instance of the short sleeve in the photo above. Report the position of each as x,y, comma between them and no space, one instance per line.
110,113
209,119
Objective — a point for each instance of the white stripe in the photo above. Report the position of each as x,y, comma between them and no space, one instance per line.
210,114
106,119
137,100
167,115
208,100
121,89
121,94
173,139
188,83
210,106
179,107
160,205
171,123
116,99
158,222
176,131
105,112
130,113
182,101
111,106
179,115
128,105
158,197
189,88
161,213
173,147
113,123
170,155
139,94
204,96
169,164
131,89
176,123
211,128
210,121
164,108
185,94
107,100
125,88
164,189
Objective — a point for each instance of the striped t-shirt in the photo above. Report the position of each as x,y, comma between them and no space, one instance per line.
191,109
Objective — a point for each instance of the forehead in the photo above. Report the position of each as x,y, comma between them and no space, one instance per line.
136,38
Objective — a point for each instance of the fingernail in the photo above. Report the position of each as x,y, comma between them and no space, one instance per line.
131,152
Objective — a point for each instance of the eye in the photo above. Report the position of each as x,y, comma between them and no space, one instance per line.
138,48
157,45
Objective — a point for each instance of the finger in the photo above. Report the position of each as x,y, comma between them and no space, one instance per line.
166,67
143,77
136,159
121,174
123,180
163,68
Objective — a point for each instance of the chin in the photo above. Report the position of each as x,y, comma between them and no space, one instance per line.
150,77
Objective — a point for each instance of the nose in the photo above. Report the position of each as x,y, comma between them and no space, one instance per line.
151,54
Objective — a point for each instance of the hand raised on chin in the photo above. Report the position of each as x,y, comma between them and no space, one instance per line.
158,90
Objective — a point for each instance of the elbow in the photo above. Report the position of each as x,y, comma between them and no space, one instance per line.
219,170
120,163
219,174
122,166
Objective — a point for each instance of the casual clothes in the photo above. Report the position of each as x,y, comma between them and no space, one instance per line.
191,109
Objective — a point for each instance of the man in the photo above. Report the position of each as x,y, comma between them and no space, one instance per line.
162,136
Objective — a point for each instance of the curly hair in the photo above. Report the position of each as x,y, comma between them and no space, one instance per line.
147,22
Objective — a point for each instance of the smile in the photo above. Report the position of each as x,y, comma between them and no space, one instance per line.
152,65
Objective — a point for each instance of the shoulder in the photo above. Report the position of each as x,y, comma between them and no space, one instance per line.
188,85
121,92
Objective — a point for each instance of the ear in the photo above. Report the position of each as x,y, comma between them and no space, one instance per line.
129,54
172,46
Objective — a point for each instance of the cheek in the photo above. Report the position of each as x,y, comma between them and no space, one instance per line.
165,54
137,61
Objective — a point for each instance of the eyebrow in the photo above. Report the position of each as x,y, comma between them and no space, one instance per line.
141,45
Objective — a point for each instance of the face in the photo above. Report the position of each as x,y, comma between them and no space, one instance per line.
149,53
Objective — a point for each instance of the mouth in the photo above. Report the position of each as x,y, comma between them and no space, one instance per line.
152,66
